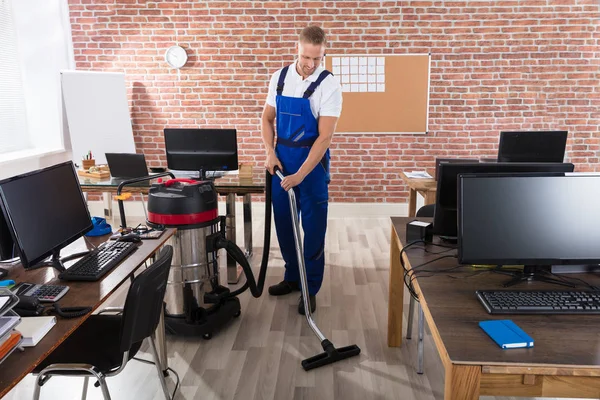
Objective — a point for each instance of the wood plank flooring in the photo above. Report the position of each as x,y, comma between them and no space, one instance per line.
258,355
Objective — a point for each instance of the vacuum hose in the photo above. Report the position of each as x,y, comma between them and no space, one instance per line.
256,288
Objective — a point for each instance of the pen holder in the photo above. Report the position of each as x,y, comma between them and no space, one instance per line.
86,164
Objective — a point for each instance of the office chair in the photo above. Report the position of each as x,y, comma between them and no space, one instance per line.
104,344
426,211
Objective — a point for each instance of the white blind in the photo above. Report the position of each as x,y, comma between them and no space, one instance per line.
13,118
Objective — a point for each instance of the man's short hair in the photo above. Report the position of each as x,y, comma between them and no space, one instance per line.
313,34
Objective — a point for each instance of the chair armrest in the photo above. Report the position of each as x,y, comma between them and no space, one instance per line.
118,310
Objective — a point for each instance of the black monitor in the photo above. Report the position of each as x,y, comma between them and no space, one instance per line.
45,211
6,242
445,216
201,150
439,161
535,146
532,219
126,165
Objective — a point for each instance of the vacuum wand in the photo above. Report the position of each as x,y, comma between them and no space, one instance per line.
331,354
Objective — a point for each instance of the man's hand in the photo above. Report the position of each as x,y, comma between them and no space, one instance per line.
291,180
271,162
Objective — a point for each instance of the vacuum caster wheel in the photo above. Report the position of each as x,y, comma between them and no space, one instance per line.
207,336
237,314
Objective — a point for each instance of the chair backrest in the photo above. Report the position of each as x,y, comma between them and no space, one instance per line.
144,301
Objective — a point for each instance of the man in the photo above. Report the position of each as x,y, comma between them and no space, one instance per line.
306,102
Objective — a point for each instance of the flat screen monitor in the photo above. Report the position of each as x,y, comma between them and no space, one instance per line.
201,150
534,220
445,215
534,146
6,242
45,211
439,161
126,165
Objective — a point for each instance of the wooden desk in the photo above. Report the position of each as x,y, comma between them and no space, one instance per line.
92,294
563,363
426,187
228,185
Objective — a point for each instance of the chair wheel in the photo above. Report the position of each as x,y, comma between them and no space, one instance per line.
237,314
207,336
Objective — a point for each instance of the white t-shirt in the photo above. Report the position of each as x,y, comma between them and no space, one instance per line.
326,101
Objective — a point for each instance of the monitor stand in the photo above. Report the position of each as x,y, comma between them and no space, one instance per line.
449,239
57,262
534,273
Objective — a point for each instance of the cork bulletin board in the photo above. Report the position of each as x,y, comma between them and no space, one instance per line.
383,94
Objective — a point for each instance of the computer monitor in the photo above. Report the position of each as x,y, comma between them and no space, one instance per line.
126,165
445,216
439,161
535,146
201,150
6,242
45,211
529,219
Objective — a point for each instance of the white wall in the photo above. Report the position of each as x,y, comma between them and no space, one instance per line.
45,47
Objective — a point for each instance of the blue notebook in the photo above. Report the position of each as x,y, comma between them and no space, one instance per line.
506,334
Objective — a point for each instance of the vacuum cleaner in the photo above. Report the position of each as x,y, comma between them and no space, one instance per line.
195,303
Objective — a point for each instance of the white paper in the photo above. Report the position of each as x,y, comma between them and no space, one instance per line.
380,78
354,69
345,78
372,61
417,174
380,69
346,87
372,87
3,301
372,78
336,70
354,87
362,78
363,87
362,69
353,60
380,60
372,69
336,61
381,87
362,61
345,61
419,223
345,70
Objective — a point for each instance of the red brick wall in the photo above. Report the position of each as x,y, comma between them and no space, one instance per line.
496,65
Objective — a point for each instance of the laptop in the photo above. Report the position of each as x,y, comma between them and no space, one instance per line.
125,166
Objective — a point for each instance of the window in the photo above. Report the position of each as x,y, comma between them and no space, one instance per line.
13,117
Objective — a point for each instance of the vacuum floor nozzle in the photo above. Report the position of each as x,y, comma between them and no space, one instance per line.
330,355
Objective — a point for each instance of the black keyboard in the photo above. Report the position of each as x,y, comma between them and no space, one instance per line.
539,302
99,262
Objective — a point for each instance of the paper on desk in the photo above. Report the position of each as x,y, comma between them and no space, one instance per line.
3,301
417,174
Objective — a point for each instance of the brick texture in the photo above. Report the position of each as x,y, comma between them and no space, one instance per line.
495,65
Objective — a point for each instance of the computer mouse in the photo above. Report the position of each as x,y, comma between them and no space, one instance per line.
130,237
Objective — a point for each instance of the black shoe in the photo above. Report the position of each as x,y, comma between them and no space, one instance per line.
283,287
313,304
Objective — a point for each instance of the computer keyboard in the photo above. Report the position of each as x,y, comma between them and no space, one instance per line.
539,302
99,262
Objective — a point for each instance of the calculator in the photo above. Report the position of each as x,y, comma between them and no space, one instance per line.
44,293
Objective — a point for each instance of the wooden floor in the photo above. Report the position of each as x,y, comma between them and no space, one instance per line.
258,355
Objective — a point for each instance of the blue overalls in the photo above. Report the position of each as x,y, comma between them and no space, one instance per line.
297,130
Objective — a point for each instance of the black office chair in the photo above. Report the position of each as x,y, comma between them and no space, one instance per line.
104,344
426,211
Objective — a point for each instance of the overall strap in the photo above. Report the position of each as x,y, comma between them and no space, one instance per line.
281,80
313,86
